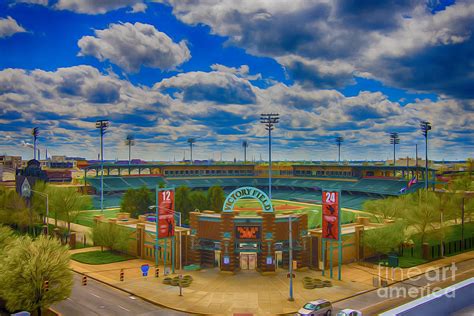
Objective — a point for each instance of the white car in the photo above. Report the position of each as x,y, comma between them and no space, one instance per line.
349,312
316,308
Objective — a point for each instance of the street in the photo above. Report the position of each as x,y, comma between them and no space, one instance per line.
371,303
99,299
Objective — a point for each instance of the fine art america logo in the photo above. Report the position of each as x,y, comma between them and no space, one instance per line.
416,282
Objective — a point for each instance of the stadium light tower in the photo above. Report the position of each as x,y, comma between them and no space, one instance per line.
269,120
339,141
35,133
191,141
130,141
245,145
425,128
394,140
102,125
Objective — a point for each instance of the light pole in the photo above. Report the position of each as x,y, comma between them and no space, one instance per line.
191,141
130,141
425,128
394,140
47,209
269,120
339,140
245,145
35,133
290,250
102,125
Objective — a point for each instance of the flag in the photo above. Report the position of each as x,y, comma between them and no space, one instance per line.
412,182
402,190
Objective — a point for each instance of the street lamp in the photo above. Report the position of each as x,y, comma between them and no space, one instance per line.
151,207
35,133
339,140
290,257
269,120
130,141
394,140
102,125
191,141
245,145
47,208
425,127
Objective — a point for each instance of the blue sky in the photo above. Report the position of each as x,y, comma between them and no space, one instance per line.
168,70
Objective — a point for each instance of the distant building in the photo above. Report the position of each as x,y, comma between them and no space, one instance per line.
10,161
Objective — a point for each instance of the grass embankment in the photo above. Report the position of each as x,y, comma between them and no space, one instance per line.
100,257
86,218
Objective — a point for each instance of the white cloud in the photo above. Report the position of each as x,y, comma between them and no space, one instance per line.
39,2
243,71
132,46
63,103
98,6
9,26
138,7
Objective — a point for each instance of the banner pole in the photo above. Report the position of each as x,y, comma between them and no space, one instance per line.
330,258
323,243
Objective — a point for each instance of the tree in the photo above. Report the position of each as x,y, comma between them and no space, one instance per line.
137,201
183,202
421,211
199,200
67,203
215,198
388,208
111,235
385,239
25,266
14,212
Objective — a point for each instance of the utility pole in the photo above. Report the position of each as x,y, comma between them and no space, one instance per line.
269,120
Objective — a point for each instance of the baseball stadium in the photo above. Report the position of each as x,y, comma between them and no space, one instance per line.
295,188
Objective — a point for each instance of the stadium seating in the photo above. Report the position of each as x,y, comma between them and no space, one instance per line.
297,189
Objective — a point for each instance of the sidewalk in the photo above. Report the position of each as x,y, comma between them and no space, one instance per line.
213,292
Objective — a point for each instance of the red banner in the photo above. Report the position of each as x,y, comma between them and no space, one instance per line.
331,215
166,213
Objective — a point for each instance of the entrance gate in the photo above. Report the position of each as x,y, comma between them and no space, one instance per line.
248,260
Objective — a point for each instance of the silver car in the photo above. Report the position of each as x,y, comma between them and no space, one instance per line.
318,307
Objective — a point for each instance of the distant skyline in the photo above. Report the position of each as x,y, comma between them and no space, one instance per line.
169,70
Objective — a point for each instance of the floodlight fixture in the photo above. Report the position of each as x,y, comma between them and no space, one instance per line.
269,120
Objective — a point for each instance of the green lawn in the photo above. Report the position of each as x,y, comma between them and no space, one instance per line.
313,210
100,257
86,218
408,262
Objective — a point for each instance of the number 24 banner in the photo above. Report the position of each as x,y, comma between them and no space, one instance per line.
331,215
166,213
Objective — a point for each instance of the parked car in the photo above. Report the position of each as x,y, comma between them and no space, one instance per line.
314,308
349,312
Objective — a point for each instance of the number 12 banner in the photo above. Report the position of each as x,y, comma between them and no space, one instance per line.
331,215
166,213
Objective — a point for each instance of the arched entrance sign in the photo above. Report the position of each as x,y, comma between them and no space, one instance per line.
247,192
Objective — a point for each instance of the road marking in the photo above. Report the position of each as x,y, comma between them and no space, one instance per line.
132,297
123,308
95,295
